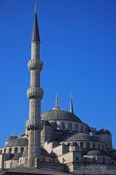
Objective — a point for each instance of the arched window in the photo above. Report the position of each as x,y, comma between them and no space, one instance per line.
98,146
1,151
22,149
10,150
81,128
4,150
77,127
70,126
88,145
63,125
11,165
16,150
94,159
103,147
103,159
93,145
77,158
81,144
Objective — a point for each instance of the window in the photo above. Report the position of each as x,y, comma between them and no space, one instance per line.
81,144
88,145
103,159
77,158
0,151
76,126
11,165
81,128
90,133
4,150
93,145
10,150
22,149
103,147
98,146
94,159
63,126
16,150
70,126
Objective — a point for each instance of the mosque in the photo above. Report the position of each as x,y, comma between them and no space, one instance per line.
57,141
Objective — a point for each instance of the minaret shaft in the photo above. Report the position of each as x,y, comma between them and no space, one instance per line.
35,50
35,94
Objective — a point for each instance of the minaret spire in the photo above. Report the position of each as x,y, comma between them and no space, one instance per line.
35,94
71,105
35,34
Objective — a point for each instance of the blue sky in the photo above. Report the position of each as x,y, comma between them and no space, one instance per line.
78,47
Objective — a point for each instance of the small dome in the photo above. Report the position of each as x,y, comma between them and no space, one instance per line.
104,132
12,138
95,153
56,115
21,141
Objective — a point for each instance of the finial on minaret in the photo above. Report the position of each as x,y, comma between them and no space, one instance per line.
71,104
56,104
35,7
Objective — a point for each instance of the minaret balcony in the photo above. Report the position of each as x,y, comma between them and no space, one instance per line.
35,64
31,125
35,92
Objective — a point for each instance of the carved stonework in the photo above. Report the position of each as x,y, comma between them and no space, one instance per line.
35,92
34,126
35,64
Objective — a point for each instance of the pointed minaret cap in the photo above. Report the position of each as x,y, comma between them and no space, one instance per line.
35,34
56,104
71,105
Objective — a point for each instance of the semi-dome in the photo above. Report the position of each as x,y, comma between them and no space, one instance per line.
56,115
21,141
104,132
95,153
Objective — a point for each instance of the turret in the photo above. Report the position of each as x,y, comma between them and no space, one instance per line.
105,137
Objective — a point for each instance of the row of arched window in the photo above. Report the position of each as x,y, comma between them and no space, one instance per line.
93,146
11,150
76,127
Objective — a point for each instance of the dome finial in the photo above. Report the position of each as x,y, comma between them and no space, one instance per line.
71,104
56,104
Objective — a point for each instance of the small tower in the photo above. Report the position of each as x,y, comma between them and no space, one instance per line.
35,94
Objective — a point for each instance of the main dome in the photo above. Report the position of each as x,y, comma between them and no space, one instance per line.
56,115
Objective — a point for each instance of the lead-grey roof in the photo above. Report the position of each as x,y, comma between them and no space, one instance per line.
56,115
96,152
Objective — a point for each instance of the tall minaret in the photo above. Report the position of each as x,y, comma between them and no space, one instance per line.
35,94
